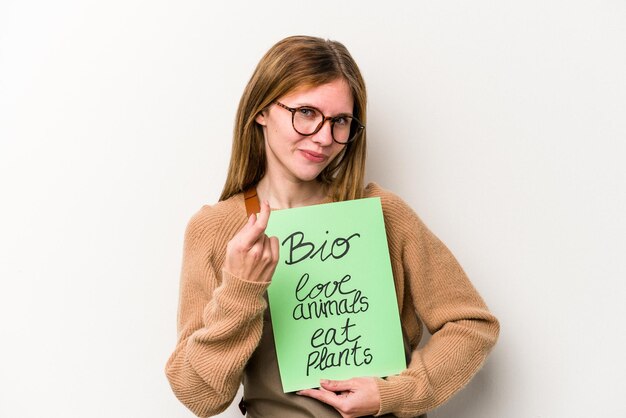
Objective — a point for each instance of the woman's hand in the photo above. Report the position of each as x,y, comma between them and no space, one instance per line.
250,254
352,398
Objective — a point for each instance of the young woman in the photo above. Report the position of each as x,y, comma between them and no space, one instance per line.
300,140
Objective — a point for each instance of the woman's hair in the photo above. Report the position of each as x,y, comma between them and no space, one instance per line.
292,63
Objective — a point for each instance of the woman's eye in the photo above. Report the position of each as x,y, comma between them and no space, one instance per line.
342,120
307,112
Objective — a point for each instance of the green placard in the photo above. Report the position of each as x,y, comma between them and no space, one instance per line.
332,298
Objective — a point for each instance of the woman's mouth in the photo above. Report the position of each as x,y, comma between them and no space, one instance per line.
313,156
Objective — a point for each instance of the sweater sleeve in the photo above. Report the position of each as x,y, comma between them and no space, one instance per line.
463,331
220,319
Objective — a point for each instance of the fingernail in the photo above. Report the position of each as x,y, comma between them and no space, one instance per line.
324,381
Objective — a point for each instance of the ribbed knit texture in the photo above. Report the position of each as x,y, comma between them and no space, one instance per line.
220,316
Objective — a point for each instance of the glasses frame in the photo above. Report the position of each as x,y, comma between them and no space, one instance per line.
359,128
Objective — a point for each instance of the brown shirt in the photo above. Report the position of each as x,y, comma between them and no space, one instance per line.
224,336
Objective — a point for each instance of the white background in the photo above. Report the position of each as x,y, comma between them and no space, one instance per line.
503,123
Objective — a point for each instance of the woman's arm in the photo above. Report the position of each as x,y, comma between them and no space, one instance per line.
220,315
463,331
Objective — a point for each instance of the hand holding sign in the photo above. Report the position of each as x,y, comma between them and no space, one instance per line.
252,255
351,398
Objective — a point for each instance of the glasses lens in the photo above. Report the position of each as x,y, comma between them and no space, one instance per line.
306,120
344,128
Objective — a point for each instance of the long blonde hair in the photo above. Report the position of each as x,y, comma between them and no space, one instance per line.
294,62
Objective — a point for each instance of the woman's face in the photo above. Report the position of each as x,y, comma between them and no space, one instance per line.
296,157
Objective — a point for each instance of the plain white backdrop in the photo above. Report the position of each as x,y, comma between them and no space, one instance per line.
502,123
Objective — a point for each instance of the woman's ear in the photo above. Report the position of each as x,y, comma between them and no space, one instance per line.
260,118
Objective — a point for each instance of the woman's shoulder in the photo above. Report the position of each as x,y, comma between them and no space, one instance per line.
221,216
397,213
390,201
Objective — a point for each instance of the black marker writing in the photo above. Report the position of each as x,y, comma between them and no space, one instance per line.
320,306
324,357
299,249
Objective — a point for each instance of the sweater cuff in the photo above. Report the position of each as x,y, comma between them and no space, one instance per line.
241,296
390,397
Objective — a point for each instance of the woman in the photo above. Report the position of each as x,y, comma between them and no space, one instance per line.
300,140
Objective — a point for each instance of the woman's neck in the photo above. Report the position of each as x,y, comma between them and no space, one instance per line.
288,194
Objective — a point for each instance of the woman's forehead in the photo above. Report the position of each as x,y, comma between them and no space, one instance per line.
334,94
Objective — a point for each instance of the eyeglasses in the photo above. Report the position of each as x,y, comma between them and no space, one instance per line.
307,120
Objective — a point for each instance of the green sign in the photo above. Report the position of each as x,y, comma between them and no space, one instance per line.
332,298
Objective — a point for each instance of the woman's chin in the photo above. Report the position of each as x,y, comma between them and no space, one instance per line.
308,177
306,174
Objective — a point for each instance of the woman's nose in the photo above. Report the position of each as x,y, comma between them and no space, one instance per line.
324,136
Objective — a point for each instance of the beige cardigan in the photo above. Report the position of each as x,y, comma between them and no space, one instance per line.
220,318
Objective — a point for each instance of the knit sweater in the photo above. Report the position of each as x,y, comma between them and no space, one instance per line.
220,317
